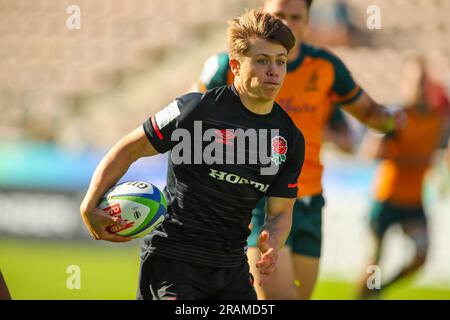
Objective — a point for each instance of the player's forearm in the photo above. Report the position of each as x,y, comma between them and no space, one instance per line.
372,114
115,164
112,167
376,117
278,227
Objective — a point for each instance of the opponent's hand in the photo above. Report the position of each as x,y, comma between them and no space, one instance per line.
98,222
269,256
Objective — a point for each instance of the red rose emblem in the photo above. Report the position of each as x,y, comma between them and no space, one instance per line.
279,149
279,145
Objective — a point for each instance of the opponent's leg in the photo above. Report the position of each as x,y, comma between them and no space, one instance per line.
380,221
364,292
280,285
306,274
417,231
306,239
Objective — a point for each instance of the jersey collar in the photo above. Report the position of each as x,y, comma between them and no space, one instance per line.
246,111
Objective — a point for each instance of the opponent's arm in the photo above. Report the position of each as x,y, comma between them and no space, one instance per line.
112,167
374,115
274,233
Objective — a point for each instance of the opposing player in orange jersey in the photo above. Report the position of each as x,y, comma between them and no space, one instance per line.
316,80
406,154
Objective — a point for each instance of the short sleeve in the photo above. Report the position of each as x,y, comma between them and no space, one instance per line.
286,184
344,88
159,127
215,72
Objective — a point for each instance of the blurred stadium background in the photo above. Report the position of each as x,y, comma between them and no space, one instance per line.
67,95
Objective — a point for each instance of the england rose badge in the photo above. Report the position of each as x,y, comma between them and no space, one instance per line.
279,150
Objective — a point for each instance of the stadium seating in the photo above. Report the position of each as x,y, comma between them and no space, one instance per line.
56,84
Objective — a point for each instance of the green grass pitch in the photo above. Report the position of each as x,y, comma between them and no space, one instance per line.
38,270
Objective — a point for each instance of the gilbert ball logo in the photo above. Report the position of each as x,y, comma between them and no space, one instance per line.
279,149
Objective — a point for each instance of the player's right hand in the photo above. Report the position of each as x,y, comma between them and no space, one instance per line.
98,222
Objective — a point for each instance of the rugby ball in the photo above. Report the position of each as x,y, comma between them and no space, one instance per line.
140,204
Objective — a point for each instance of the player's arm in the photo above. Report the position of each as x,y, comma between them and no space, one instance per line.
112,167
374,115
280,198
358,103
274,233
153,137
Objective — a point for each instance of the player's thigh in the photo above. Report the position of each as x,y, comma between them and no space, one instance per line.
280,284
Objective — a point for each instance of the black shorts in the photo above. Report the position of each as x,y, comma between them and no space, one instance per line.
162,278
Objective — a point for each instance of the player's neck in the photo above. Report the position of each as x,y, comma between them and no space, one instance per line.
255,104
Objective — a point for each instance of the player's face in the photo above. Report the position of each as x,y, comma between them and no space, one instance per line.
262,71
293,13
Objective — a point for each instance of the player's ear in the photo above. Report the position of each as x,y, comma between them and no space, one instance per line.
235,66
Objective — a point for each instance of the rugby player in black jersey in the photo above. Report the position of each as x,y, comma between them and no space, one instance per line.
230,147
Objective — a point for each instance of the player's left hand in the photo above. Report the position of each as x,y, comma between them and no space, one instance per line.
269,256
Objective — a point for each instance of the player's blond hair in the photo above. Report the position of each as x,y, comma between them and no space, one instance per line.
256,23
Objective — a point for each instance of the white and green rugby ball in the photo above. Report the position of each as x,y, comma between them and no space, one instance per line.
140,204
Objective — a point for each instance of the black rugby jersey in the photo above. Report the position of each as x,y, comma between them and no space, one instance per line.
210,201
